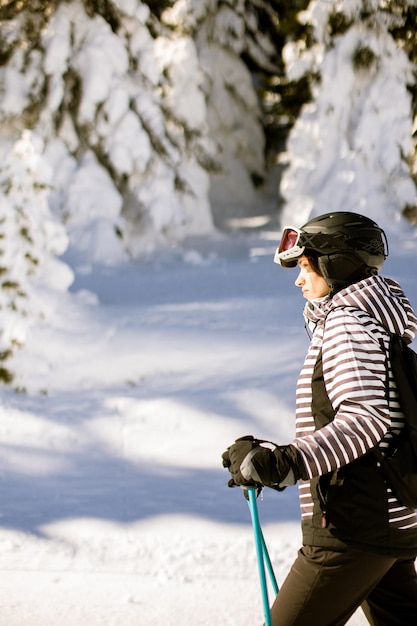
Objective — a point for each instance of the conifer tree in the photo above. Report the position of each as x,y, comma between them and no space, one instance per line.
355,55
30,241
111,92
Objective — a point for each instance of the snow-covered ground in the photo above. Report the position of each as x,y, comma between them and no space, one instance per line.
114,504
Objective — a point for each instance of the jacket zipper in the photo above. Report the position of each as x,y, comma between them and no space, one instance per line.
323,504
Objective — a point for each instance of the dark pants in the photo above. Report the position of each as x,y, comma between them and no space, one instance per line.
324,588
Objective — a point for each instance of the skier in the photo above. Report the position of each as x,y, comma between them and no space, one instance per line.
359,541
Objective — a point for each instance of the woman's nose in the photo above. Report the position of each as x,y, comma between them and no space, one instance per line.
299,280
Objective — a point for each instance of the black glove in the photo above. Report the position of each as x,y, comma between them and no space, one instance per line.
253,465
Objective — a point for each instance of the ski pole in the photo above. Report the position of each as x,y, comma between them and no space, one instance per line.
267,560
261,554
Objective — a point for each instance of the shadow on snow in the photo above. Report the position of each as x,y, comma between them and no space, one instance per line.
85,479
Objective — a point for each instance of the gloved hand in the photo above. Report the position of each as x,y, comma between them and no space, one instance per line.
253,465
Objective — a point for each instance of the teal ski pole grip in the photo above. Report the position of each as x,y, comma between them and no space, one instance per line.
262,555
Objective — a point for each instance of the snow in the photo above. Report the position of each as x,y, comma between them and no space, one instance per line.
115,507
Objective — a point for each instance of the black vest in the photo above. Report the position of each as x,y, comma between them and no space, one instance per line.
350,504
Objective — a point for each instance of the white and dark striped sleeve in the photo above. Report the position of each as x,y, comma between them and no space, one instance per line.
355,375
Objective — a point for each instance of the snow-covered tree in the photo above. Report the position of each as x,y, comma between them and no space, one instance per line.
239,45
119,104
31,239
351,131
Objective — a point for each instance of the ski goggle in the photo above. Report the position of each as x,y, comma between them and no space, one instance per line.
294,242
289,247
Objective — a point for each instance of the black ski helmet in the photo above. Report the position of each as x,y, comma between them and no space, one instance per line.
348,247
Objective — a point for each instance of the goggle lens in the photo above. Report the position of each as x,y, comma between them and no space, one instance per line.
289,239
289,247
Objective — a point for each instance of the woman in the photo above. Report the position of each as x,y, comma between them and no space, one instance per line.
359,541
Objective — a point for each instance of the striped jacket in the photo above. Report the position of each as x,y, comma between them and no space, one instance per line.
346,500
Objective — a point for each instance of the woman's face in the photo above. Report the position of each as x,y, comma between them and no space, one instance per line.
312,284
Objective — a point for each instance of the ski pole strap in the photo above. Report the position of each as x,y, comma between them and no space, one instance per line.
262,554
